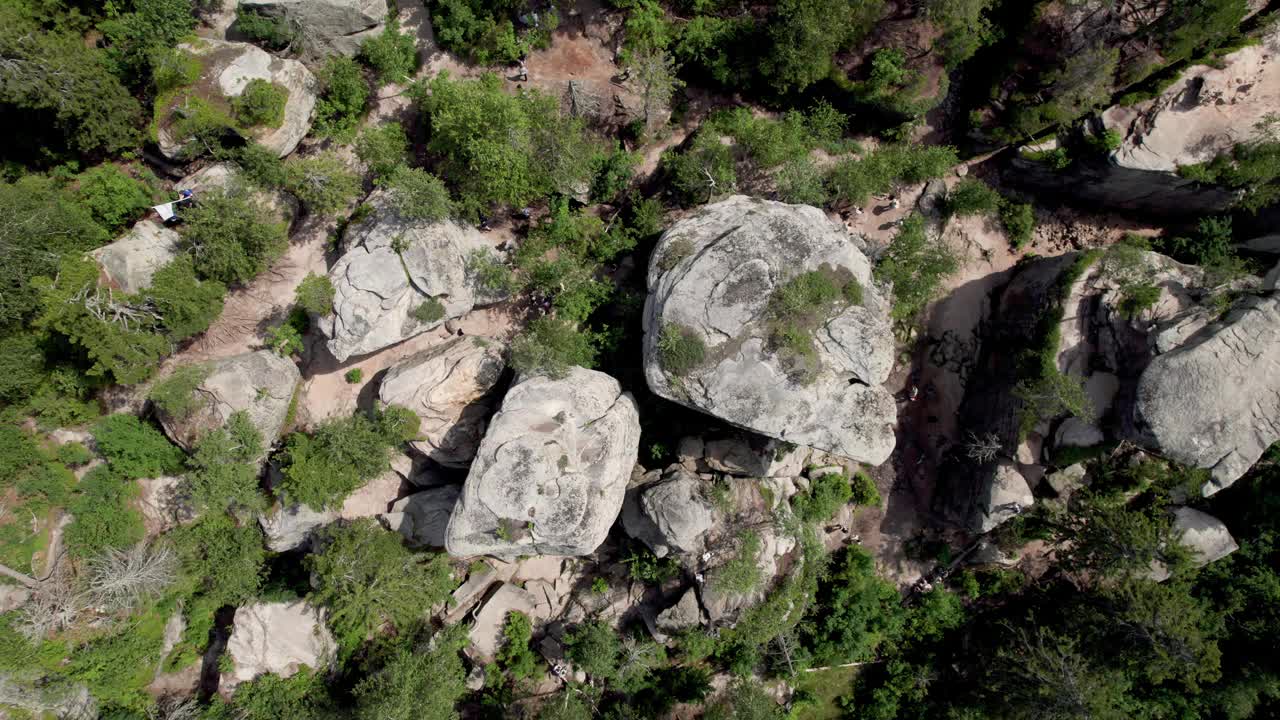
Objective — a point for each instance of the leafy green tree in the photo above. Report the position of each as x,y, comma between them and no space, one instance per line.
741,574
368,579
501,149
223,471
300,697
515,656
274,32
47,223
134,38
54,82
966,26
595,649
1113,539
854,612
824,498
187,305
392,54
104,516
223,559
1045,675
232,237
321,469
1164,632
175,396
323,182
804,36
114,198
384,149
418,195
553,345
745,700
1050,396
417,685
1189,27
315,294
343,96
916,267
135,449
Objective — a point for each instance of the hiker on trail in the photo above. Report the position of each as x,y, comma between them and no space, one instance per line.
524,72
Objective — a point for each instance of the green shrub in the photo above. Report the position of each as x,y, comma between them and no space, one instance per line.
172,69
73,453
322,182
824,498
343,96
740,575
259,165
224,559
489,273
175,396
261,103
354,376
515,656
973,197
315,294
393,55
1019,222
384,149
113,197
595,649
199,126
865,491
1052,395
612,174
135,449
854,612
232,236
680,349
1137,298
800,306
368,579
322,468
272,31
854,181
916,267
417,685
104,515
552,346
223,469
418,195
431,311
702,172
187,304
648,568
286,338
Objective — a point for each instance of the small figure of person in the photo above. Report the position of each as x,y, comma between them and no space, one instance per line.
523,75
893,203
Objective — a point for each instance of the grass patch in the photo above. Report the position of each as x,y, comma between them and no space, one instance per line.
680,349
430,311
818,693
800,306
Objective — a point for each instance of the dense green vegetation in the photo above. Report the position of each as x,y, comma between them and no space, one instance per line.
322,467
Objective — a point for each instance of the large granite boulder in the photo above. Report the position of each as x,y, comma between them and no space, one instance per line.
279,638
1206,112
712,279
290,526
1214,402
225,69
668,513
384,296
1205,536
551,472
130,262
1006,496
325,27
261,383
423,517
224,177
449,387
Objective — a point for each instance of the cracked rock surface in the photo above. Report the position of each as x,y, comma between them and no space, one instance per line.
260,383
132,261
551,471
277,637
326,27
393,266
1214,402
714,273
449,388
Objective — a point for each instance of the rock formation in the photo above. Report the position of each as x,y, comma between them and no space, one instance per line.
423,517
225,69
277,637
449,387
290,527
1007,495
398,279
225,177
1206,112
325,27
551,471
668,513
712,277
261,383
1205,536
130,262
1214,402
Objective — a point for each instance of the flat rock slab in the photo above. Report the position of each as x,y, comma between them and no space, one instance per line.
280,638
260,383
552,470
132,261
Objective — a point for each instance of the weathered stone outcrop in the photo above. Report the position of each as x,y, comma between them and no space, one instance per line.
1006,496
423,517
291,527
1214,402
325,27
130,262
449,387
713,275
261,383
551,472
277,637
668,513
226,68
1206,112
379,290
1205,536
